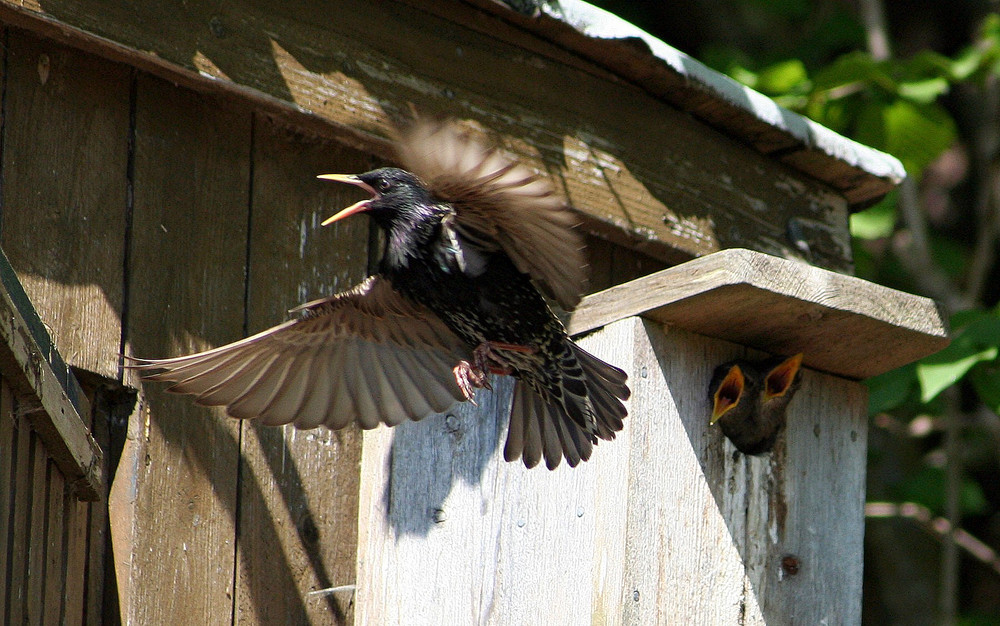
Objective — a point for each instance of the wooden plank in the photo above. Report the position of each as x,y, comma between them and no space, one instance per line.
17,568
64,192
685,507
843,325
97,534
43,400
8,454
123,506
37,539
449,533
55,550
671,189
298,527
75,514
809,495
863,175
667,520
191,181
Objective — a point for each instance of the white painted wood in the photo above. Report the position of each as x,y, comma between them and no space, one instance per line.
667,524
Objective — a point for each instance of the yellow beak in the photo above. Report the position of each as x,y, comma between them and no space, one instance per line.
357,207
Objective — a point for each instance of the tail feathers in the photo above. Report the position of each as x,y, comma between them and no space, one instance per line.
590,408
540,429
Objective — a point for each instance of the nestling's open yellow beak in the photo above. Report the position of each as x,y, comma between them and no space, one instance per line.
779,380
729,393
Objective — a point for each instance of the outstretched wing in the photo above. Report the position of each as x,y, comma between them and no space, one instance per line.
366,355
500,204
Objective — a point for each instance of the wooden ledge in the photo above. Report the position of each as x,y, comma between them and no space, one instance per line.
43,400
842,324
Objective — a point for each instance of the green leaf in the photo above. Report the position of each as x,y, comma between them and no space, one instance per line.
949,254
978,342
917,133
928,487
937,376
924,91
891,389
853,67
966,63
782,77
961,319
985,379
923,65
875,222
742,75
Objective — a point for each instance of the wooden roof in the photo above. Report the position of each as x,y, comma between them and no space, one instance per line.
862,174
659,154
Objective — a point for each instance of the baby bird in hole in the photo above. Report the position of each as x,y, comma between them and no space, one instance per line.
749,400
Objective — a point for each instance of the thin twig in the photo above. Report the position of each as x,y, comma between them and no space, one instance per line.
873,18
939,527
953,511
985,143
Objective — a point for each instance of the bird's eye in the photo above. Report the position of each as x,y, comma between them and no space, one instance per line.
382,184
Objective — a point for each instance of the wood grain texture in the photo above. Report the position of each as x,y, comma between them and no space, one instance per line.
843,325
40,539
35,588
860,173
8,453
665,524
44,403
298,489
644,174
449,533
64,165
192,180
17,539
809,495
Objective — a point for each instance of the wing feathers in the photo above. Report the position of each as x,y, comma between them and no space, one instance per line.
500,198
365,355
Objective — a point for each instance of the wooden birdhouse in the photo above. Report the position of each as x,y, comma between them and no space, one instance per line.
159,198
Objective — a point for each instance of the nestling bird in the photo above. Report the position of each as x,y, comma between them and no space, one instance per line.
470,238
749,400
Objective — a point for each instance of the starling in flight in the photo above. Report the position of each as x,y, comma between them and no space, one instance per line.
749,400
470,238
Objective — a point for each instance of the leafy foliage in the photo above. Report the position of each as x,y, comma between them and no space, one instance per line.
928,107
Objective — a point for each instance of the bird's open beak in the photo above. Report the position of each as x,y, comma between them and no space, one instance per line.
779,380
357,207
728,394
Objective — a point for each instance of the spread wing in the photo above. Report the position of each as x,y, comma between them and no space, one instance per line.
500,204
366,355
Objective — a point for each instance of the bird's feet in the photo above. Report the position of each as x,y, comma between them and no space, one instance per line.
469,378
472,376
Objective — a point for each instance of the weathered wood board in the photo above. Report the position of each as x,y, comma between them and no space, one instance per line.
666,524
44,529
65,148
673,190
189,243
43,402
297,533
842,325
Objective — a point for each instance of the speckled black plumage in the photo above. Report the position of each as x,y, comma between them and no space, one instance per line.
483,297
471,236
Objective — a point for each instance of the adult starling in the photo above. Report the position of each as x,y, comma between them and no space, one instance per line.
470,237
749,399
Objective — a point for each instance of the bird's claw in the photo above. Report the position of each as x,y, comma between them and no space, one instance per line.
474,375
469,378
